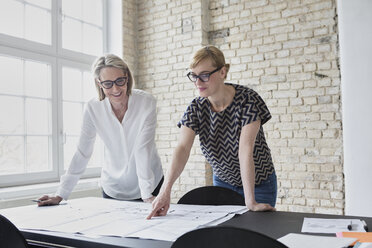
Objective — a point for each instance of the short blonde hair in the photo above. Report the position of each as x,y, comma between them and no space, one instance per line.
111,60
212,53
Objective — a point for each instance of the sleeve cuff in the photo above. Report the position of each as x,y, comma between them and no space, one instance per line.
146,195
62,193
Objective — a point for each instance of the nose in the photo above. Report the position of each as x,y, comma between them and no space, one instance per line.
115,87
198,81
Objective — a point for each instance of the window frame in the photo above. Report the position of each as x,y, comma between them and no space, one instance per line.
36,177
57,57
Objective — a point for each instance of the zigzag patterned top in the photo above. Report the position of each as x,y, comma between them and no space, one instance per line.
219,134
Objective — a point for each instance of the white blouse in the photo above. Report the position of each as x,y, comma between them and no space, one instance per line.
132,167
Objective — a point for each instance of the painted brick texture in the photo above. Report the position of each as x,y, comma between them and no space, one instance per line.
286,50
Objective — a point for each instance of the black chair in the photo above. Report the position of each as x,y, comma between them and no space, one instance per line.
212,195
10,236
227,237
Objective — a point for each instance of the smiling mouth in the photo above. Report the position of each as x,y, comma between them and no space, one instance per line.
117,95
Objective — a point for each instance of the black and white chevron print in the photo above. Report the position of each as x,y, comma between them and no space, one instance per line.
219,134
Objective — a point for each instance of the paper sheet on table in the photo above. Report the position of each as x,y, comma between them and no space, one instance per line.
97,216
320,225
362,245
295,240
173,225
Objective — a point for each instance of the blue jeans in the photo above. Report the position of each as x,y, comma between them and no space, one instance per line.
264,193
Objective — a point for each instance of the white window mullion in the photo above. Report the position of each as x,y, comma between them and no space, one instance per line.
24,19
24,119
58,24
105,26
57,119
56,35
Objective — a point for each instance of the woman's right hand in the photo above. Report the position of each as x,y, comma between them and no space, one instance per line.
160,205
46,200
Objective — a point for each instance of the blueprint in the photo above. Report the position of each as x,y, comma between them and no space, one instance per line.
106,217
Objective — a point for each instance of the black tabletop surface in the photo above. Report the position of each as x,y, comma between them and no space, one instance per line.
278,224
273,224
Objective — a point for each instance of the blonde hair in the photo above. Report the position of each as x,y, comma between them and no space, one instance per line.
110,60
212,53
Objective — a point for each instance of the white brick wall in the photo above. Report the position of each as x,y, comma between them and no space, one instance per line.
130,34
286,50
166,38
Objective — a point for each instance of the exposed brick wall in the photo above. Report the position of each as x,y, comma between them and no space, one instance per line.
287,52
130,34
168,33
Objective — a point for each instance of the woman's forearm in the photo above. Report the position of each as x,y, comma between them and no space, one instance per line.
179,160
248,179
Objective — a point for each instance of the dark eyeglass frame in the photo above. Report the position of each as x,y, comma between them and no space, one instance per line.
193,78
111,83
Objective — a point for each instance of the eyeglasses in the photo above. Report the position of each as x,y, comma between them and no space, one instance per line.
121,81
203,77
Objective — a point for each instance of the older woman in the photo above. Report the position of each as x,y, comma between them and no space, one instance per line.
125,120
228,119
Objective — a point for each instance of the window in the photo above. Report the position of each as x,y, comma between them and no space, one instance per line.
28,19
46,51
77,90
83,21
25,126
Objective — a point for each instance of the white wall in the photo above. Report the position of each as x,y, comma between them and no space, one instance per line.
355,26
114,27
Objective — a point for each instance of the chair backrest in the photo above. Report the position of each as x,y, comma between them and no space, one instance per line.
212,195
10,236
225,236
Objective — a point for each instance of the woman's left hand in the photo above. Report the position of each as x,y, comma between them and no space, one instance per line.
260,207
